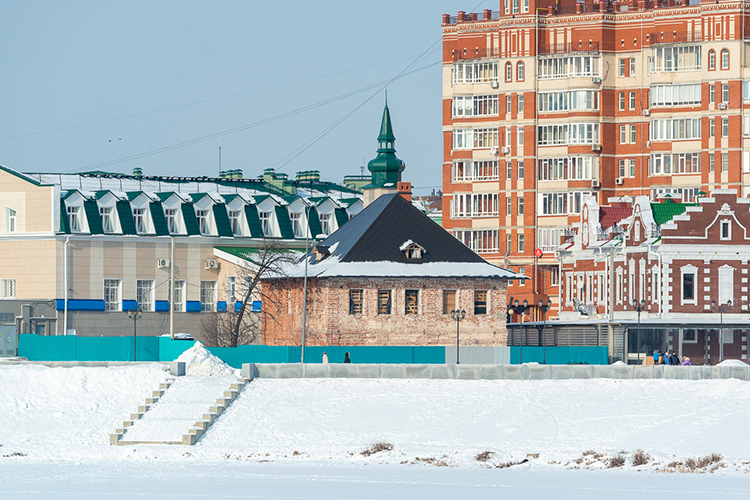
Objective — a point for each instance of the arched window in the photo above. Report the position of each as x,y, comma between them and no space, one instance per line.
725,59
711,59
520,74
508,72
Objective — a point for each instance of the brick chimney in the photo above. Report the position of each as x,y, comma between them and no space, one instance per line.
404,189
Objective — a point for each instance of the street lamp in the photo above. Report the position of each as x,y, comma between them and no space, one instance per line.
638,308
544,308
519,309
135,315
721,308
458,316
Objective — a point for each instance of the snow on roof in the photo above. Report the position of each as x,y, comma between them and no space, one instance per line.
406,244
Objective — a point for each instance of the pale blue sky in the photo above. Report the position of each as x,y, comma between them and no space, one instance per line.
148,75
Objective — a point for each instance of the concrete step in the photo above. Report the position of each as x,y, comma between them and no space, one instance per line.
164,386
223,402
136,416
127,423
230,394
203,424
157,394
209,416
143,408
150,401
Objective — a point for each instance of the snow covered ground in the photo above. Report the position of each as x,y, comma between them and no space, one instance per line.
426,438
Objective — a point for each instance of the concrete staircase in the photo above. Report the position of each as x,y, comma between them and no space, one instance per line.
176,414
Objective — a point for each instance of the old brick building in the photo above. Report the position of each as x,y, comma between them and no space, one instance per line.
545,103
680,262
390,276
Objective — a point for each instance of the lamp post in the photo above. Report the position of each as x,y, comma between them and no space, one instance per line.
458,316
639,306
721,308
519,309
135,315
304,285
544,308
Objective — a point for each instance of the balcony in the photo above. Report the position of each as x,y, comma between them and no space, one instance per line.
463,17
476,53
565,48
675,37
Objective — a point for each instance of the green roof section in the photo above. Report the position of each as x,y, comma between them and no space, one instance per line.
348,201
157,217
198,196
665,212
229,197
223,227
313,222
341,216
91,207
64,222
165,196
253,221
132,195
246,253
70,193
126,217
285,225
191,221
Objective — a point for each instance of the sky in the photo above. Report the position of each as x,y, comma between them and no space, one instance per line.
290,85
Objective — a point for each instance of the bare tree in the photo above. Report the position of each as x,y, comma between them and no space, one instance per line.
242,327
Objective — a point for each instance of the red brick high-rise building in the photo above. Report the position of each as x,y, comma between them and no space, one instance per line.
545,102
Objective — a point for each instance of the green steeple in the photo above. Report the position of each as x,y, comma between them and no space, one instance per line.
386,168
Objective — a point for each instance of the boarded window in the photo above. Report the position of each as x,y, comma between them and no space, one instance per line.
355,301
384,302
449,301
411,302
480,301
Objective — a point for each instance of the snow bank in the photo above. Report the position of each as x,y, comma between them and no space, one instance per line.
199,361
732,362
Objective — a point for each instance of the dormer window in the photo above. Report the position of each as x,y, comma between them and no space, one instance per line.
107,224
170,214
412,250
325,223
74,218
139,219
296,219
202,216
234,222
265,222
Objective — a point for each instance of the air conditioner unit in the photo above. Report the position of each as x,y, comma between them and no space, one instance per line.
495,84
619,181
646,112
596,184
212,264
162,263
493,151
596,147
596,80
506,149
723,106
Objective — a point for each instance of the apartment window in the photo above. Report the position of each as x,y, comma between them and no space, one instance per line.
475,171
726,230
675,128
568,66
520,205
632,66
711,127
725,92
520,169
178,301
508,170
384,301
508,243
144,293
484,72
622,101
520,136
632,134
677,58
711,162
568,133
676,95
711,59
520,72
623,134
355,301
623,65
508,72
515,6
479,105
234,222
725,59
106,215
325,223
475,205
520,103
449,301
10,220
508,131
568,168
508,104
520,243
678,163
712,93
508,205
632,167
112,295
688,286
632,100
139,218
411,301
8,288
562,203
480,302
554,276
621,169
202,216
170,214
481,138
265,222
208,296
725,127
481,241
569,100
296,219
74,218
725,162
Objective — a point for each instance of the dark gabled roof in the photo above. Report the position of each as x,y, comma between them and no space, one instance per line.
223,228
378,232
92,216
191,221
253,221
126,217
157,217
285,225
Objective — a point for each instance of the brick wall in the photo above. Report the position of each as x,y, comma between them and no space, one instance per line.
329,321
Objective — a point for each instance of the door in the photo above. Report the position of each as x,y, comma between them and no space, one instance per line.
8,341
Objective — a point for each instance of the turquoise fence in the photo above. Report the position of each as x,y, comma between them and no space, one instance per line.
73,348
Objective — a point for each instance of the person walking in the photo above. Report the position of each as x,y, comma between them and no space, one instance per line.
674,359
325,358
346,358
665,358
656,356
687,362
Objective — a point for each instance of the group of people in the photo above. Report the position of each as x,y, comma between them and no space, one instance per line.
670,359
346,358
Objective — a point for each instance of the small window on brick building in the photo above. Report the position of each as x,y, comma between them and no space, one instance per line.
726,230
411,302
449,301
688,335
355,301
480,302
688,286
384,302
